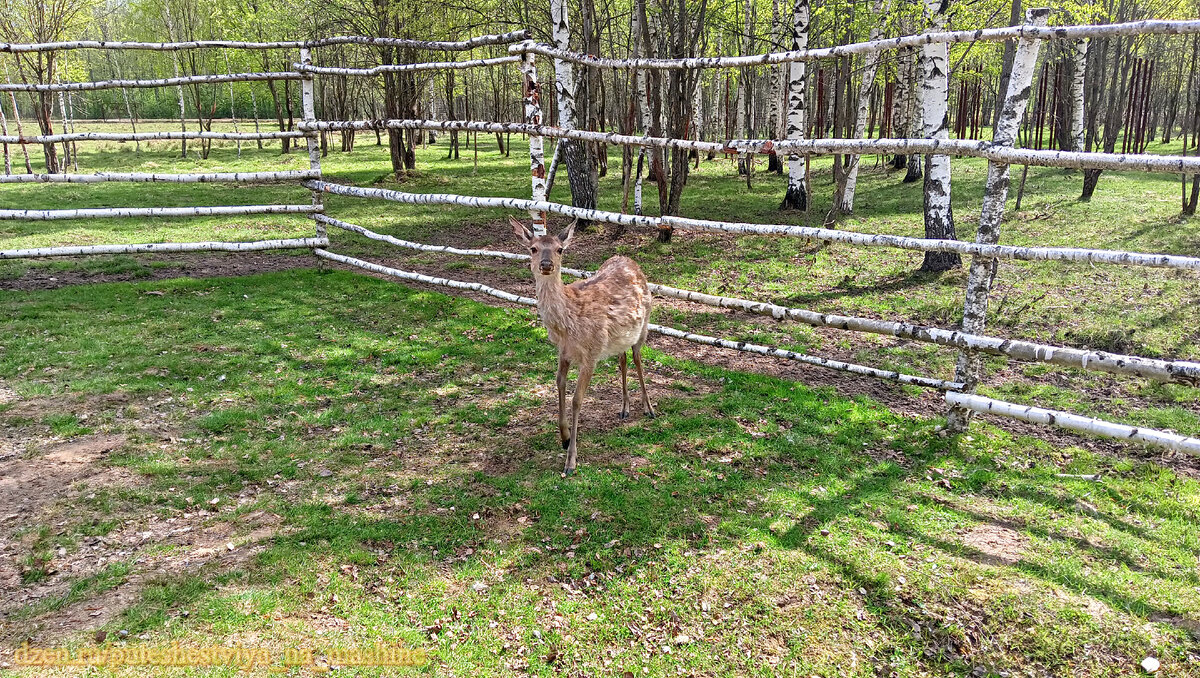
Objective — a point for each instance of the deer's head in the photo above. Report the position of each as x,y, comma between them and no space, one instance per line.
545,252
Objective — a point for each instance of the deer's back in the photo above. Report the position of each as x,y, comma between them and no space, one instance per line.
611,309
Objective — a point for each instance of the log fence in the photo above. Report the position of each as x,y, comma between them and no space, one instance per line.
986,251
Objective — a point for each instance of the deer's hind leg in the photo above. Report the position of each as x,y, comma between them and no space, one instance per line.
581,387
637,362
624,387
564,366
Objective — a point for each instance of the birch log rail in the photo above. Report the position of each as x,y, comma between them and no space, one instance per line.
1075,422
452,46
159,82
397,68
148,136
144,248
1177,371
1169,164
1148,27
1069,254
141,177
887,375
127,212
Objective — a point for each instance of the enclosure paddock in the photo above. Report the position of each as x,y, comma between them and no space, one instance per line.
971,342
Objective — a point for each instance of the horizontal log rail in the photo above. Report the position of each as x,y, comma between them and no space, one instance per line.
144,248
128,212
1075,422
158,82
1173,164
1160,370
452,46
1068,254
148,136
396,68
887,375
1149,27
141,177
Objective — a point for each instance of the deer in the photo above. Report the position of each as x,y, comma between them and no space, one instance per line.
599,317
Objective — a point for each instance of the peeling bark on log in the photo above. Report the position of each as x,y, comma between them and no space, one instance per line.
1074,422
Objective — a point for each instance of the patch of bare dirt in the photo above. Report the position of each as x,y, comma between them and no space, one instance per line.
996,544
28,484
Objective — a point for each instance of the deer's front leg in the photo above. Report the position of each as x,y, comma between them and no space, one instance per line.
563,368
585,377
624,387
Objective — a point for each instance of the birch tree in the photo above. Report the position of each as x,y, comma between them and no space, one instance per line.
935,99
844,200
579,171
796,197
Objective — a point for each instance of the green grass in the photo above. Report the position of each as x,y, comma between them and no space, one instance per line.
403,440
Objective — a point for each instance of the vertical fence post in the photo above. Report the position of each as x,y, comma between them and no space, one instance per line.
537,156
309,111
983,269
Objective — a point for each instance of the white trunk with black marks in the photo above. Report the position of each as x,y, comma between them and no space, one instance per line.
643,92
4,130
983,269
232,104
743,85
130,212
796,196
148,136
845,195
935,99
160,82
773,118
537,157
1077,89
142,248
456,46
142,177
1074,422
399,68
308,111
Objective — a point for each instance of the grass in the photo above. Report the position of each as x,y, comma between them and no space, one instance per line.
401,441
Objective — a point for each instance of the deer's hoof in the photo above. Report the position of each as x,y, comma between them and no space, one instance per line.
568,470
651,415
623,415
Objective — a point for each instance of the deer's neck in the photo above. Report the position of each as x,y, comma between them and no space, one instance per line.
553,304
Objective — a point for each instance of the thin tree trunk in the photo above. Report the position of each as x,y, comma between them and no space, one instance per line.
579,173
796,197
844,201
935,92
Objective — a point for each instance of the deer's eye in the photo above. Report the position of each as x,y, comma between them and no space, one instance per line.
533,250
560,250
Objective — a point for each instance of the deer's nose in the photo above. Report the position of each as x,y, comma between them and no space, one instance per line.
547,267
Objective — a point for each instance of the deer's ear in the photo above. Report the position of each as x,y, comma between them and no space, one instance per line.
521,232
568,235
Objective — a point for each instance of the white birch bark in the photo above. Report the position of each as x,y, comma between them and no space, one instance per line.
140,177
1074,422
1077,81
983,270
147,136
1182,372
870,66
398,68
537,155
175,64
159,82
564,77
1067,254
451,46
935,98
232,105
308,113
4,131
127,212
658,329
796,196
643,92
144,248
739,107
1169,164
1148,27
20,130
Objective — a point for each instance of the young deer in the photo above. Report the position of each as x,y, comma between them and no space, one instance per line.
590,320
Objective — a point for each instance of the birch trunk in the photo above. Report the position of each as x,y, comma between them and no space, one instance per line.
20,128
935,99
233,104
1079,57
775,74
742,103
574,154
916,126
4,130
983,269
796,197
537,157
844,201
308,111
